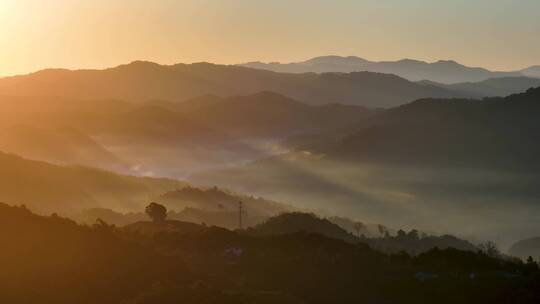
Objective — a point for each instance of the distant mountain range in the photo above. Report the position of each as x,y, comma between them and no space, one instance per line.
133,137
260,115
145,81
533,71
268,114
491,87
443,71
490,133
445,157
206,119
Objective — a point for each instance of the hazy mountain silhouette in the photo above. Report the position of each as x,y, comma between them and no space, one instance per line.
492,87
439,157
151,124
215,199
46,188
533,71
323,64
53,112
264,114
207,217
49,188
492,133
143,81
290,223
526,248
197,103
60,146
444,71
412,242
269,114
205,118
207,131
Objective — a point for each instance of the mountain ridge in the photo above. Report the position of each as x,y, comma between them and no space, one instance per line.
443,71
452,132
143,81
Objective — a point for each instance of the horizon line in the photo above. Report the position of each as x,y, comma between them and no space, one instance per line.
127,62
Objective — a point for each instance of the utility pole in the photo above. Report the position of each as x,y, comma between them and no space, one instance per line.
240,214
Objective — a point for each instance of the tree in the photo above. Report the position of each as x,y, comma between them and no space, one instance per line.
413,234
358,226
531,264
490,249
382,230
156,212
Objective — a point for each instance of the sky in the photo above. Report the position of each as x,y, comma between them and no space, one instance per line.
38,34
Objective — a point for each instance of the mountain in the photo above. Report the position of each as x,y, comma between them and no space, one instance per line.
260,115
193,104
323,64
51,259
55,112
98,118
533,71
526,248
225,218
60,146
52,188
149,124
203,132
412,242
492,87
144,81
205,119
268,114
138,135
443,71
215,199
90,194
489,133
465,166
290,223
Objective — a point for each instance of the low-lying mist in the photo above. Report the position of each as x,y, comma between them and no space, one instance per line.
185,159
465,167
473,203
477,204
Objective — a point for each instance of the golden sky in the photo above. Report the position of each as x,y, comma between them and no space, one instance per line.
37,34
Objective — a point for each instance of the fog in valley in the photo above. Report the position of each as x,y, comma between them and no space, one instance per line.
262,152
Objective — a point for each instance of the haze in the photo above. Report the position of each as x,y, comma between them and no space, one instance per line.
258,151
